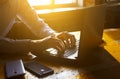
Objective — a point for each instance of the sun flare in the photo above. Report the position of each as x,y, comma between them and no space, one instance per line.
48,2
39,2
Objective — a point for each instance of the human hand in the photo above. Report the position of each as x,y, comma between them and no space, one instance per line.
49,42
68,39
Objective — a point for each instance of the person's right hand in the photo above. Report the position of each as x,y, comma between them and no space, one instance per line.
48,42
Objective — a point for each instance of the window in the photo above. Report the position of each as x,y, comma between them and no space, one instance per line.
112,0
64,1
45,4
39,2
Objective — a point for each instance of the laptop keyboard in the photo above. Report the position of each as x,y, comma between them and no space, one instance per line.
69,52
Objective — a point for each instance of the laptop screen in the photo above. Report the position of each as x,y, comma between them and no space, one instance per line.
92,30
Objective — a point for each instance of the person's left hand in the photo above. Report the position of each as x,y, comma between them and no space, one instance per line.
68,39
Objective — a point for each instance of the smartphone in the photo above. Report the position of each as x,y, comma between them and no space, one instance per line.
38,69
14,70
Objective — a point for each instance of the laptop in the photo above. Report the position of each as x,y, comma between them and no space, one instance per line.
88,36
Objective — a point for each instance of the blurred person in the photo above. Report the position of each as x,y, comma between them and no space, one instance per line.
9,9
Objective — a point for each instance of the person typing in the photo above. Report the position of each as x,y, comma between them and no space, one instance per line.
9,9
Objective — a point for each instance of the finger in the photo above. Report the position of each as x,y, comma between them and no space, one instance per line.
61,45
68,39
55,50
55,42
60,52
72,41
66,42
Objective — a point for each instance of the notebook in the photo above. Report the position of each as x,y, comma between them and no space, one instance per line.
88,36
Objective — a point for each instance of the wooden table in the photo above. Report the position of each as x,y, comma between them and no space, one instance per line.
109,68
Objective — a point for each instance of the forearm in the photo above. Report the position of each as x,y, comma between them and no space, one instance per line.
14,46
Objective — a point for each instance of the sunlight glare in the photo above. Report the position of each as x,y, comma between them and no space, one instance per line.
39,2
64,1
53,2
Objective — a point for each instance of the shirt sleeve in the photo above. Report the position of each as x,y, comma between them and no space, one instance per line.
31,19
14,46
